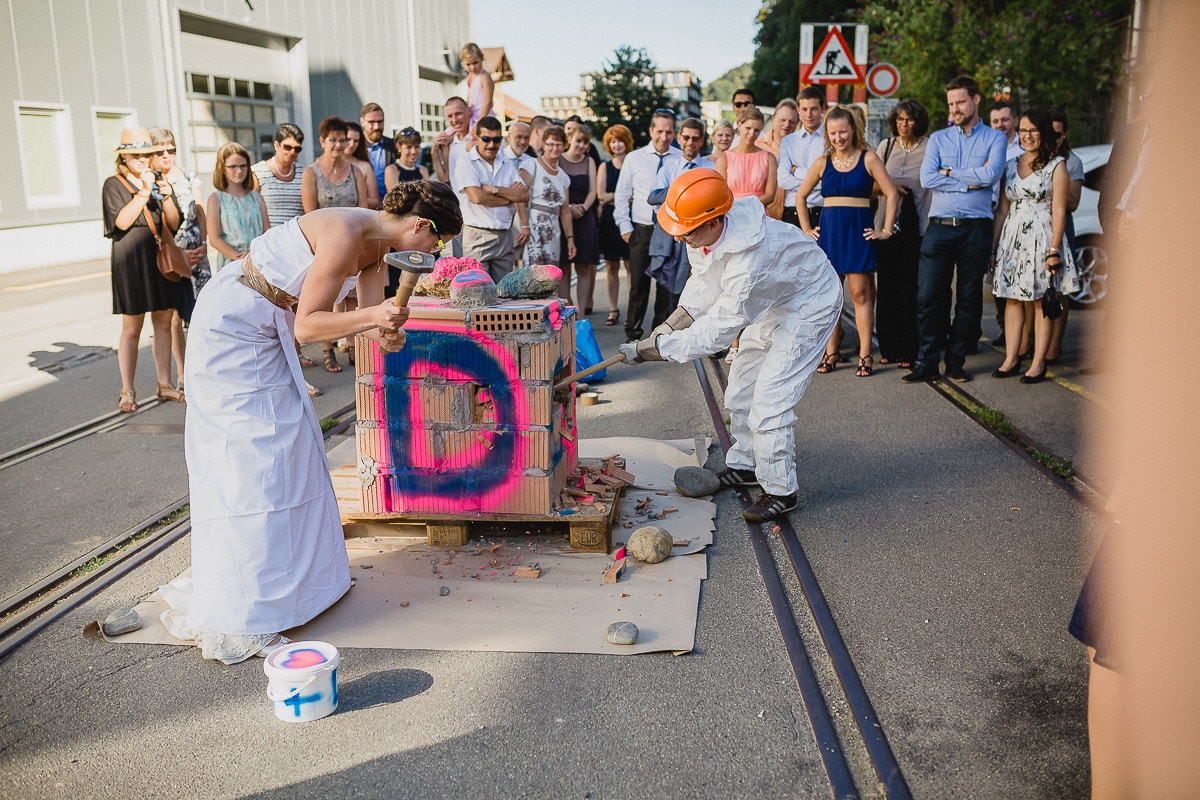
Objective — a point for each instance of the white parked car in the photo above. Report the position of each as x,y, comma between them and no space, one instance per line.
1090,252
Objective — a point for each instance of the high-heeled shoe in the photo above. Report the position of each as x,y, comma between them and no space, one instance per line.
1034,378
1007,373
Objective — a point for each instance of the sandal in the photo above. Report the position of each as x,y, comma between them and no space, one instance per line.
828,363
613,318
331,362
305,361
865,367
167,392
313,391
127,402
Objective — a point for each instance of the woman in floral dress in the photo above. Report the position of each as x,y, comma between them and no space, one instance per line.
1029,254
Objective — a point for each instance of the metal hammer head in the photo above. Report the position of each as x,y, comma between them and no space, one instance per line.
416,261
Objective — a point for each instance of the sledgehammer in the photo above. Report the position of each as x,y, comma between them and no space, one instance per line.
583,373
412,265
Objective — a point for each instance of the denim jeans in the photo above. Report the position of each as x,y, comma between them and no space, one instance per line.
956,255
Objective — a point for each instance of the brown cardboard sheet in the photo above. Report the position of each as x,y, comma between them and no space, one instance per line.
396,600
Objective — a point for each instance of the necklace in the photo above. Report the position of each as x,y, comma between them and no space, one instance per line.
843,165
280,174
908,148
552,170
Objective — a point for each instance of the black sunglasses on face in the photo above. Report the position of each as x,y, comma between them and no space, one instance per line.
743,103
292,148
491,139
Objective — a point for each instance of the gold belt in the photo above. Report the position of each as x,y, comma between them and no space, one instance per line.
847,202
254,279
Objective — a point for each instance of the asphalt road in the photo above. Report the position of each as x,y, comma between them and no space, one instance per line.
950,564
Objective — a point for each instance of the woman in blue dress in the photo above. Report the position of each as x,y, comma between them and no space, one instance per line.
848,174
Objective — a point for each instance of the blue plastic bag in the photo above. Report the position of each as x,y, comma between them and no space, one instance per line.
587,352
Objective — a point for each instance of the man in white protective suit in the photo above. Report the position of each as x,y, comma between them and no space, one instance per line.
768,280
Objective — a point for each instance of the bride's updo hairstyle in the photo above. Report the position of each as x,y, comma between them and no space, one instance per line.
431,200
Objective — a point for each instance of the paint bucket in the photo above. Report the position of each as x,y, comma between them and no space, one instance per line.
302,681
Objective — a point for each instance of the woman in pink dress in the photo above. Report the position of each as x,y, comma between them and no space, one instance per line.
749,169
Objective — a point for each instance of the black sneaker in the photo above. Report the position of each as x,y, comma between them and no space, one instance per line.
957,374
921,374
731,478
770,506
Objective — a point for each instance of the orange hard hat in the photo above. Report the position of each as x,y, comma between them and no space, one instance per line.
695,197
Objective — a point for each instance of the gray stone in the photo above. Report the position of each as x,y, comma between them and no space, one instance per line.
445,590
121,620
622,633
536,280
472,288
650,544
696,481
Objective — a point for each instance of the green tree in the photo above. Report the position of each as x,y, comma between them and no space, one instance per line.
776,65
1064,53
626,93
722,88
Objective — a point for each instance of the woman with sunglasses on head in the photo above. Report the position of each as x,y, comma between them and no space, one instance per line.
138,205
268,552
406,168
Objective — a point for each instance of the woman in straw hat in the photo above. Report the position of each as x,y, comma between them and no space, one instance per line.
135,200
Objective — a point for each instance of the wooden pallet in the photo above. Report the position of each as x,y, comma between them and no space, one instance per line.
589,526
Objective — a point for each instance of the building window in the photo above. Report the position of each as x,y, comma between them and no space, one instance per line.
47,156
107,124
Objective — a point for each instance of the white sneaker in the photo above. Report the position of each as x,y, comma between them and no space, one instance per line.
731,355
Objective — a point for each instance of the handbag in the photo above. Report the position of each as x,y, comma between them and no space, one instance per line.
1052,300
172,264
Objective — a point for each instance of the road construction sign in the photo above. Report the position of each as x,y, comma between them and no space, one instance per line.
833,61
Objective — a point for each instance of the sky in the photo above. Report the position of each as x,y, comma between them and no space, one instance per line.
720,37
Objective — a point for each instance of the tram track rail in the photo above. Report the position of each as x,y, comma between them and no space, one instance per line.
29,611
833,750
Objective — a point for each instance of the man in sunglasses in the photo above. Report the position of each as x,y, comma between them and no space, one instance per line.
768,280
488,189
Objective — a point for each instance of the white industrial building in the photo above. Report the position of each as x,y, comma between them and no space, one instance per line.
77,71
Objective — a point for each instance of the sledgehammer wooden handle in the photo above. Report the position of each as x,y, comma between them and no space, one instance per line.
583,373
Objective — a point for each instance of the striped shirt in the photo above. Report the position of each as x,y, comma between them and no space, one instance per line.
282,197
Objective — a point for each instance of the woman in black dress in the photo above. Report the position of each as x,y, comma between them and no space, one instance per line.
618,141
581,197
132,199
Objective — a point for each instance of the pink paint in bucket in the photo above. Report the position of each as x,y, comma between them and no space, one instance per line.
302,681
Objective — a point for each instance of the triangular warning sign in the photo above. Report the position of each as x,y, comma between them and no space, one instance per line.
833,62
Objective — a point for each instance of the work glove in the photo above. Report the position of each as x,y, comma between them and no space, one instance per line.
678,320
637,352
629,350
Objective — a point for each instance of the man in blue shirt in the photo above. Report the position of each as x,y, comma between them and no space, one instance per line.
381,150
961,165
